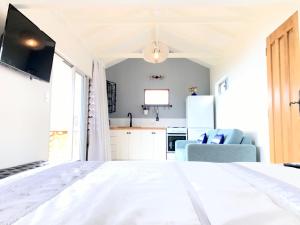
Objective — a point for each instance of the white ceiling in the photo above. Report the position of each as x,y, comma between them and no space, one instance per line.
196,29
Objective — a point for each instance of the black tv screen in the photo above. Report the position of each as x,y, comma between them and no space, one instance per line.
25,47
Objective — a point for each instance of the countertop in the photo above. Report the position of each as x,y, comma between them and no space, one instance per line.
138,128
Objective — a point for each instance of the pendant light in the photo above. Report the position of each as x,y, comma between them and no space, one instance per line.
156,51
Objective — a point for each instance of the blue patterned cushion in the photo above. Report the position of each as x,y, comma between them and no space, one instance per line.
211,134
203,138
218,139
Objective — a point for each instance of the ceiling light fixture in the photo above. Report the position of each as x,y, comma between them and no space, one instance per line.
156,51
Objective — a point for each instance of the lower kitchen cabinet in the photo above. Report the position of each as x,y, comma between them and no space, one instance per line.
138,144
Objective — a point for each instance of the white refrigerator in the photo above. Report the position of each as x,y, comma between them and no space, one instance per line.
199,115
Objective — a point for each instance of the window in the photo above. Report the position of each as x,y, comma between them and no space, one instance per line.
67,112
156,97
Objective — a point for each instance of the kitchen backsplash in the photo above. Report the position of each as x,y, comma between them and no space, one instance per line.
145,122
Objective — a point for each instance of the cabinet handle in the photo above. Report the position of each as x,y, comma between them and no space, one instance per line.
153,132
128,132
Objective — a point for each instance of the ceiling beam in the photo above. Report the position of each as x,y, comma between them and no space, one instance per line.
140,55
94,19
185,44
159,20
149,3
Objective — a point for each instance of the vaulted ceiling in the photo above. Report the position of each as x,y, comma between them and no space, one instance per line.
195,29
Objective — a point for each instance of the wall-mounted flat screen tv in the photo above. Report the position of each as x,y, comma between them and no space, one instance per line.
25,47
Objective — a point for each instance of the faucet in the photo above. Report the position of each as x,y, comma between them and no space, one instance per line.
130,116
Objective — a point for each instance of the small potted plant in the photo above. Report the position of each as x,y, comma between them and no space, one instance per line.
193,90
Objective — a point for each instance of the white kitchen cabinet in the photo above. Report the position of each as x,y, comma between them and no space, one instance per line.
135,143
160,143
119,151
138,144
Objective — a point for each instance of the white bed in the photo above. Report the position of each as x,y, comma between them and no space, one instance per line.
152,193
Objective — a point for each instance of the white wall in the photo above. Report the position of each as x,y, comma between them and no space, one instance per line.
24,104
24,119
245,104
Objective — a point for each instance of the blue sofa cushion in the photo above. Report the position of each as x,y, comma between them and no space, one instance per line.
218,139
232,136
246,140
203,138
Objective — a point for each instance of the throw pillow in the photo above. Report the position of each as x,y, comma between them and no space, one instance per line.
218,139
203,138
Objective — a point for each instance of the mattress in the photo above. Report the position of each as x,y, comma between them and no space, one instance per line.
160,193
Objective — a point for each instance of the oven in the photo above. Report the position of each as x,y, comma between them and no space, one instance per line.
174,134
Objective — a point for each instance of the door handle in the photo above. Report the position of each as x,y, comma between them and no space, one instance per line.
295,103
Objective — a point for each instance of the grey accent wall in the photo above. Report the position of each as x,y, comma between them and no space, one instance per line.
133,76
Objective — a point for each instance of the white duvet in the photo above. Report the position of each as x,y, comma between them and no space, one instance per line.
177,193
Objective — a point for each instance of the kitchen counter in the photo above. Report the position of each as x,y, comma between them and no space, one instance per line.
138,128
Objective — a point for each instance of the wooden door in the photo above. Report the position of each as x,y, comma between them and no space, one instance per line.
284,87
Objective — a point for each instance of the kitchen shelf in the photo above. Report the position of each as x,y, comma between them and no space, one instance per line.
155,106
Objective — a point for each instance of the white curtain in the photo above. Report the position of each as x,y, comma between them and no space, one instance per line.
98,134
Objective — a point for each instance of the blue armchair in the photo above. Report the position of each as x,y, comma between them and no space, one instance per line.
236,148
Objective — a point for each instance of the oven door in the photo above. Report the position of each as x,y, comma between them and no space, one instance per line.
172,138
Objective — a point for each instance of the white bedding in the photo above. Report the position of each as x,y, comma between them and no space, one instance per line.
177,193
20,196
